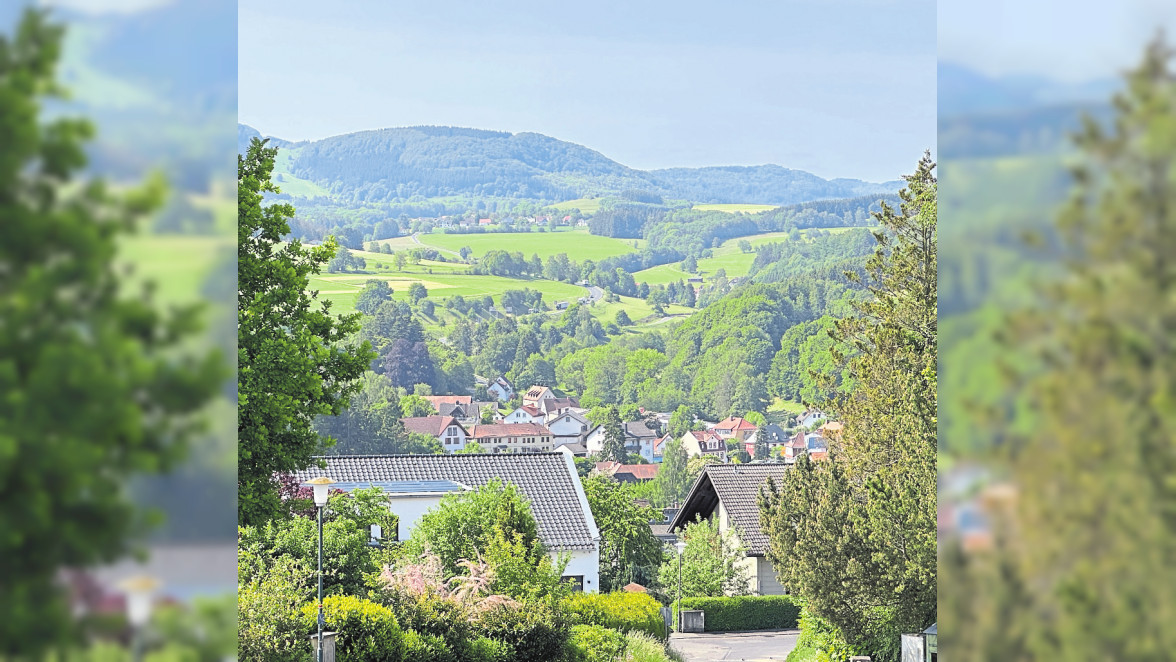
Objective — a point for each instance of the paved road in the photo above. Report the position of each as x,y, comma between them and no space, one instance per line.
595,293
748,646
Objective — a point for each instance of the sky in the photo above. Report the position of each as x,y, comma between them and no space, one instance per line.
1071,41
840,88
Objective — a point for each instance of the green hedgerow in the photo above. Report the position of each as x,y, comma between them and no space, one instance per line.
622,611
368,632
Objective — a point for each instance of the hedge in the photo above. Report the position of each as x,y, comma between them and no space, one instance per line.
593,643
368,632
763,612
621,611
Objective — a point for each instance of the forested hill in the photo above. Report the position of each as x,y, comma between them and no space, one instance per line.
765,184
396,165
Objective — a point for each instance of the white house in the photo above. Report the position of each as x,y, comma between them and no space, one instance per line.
569,427
536,394
417,483
513,438
447,429
501,389
729,493
525,414
705,442
810,417
639,438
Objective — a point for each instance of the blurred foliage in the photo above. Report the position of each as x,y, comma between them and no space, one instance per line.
1079,559
93,387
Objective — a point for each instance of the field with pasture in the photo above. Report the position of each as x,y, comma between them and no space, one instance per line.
585,205
577,243
727,256
440,279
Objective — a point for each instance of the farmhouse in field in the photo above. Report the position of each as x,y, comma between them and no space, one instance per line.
730,492
417,483
447,429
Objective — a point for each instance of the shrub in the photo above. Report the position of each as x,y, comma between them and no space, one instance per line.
368,632
640,647
268,625
534,632
624,612
764,612
485,649
431,614
594,643
426,648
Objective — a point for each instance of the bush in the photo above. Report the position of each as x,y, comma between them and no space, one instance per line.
485,649
432,615
594,643
368,632
764,612
426,648
624,612
641,647
268,625
533,632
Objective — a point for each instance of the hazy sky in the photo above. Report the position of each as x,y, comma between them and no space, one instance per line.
1070,40
841,88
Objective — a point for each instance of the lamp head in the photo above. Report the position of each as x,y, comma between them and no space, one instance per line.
681,545
321,486
140,592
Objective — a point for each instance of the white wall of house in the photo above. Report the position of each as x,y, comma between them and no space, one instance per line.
519,444
453,438
497,390
766,578
410,509
567,426
520,415
584,563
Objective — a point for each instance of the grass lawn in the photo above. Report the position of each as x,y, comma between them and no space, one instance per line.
663,274
732,208
578,243
178,265
290,184
636,309
343,288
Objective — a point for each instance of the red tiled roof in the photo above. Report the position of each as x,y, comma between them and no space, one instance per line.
438,400
638,471
432,425
509,430
735,423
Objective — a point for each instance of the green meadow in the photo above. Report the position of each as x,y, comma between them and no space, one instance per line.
585,205
577,243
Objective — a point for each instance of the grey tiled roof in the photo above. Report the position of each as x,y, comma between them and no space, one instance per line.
737,486
543,478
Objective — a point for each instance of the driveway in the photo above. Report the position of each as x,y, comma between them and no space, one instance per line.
748,646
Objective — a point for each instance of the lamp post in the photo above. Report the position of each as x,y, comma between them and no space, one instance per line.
681,546
139,594
322,486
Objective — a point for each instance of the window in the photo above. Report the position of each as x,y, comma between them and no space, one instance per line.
577,582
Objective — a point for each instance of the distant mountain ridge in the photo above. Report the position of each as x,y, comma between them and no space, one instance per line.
399,164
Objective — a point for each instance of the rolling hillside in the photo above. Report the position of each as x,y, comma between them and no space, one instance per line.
413,163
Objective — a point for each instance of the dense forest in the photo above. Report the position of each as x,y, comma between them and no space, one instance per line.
411,164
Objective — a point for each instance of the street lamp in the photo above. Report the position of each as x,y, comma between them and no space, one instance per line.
322,486
140,592
681,546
